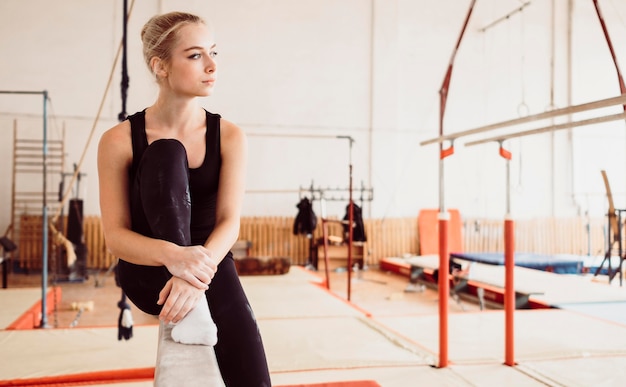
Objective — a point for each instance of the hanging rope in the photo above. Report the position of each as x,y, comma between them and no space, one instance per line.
125,80
59,237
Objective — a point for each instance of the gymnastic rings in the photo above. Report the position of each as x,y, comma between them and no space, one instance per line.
522,110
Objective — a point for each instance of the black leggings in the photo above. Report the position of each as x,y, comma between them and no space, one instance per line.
161,208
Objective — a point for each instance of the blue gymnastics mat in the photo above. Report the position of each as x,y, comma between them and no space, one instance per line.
565,264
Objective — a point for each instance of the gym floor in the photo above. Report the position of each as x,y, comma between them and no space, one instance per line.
385,335
98,294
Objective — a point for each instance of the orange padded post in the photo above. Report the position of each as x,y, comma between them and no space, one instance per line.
444,291
509,291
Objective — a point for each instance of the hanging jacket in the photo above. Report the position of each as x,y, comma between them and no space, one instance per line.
306,220
358,231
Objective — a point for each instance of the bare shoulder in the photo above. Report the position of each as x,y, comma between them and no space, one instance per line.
231,133
117,132
116,141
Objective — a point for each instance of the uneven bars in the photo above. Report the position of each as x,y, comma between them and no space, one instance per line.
619,100
552,128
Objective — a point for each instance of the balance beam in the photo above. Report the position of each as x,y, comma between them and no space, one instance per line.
184,364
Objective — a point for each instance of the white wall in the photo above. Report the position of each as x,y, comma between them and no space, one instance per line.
317,69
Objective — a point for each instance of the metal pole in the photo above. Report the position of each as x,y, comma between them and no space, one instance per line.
350,224
320,136
44,224
350,215
44,220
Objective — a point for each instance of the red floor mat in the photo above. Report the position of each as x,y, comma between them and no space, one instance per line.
355,383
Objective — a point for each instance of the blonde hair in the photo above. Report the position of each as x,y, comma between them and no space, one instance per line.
160,33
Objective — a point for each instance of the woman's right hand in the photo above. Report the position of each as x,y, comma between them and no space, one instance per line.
194,264
178,297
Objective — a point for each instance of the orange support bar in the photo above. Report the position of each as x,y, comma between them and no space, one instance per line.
444,289
326,262
509,291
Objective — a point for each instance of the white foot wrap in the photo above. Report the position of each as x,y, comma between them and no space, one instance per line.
197,327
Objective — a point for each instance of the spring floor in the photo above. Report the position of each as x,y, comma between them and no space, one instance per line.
383,336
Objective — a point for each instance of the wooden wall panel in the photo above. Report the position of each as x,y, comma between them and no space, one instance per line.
273,236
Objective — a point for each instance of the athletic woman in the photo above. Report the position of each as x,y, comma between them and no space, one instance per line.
171,188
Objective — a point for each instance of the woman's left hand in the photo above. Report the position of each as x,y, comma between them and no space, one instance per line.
178,297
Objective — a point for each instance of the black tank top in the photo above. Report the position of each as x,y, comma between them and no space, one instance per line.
203,181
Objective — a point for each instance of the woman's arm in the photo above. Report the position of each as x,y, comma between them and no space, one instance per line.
234,149
192,264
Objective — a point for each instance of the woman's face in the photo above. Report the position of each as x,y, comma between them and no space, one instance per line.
191,68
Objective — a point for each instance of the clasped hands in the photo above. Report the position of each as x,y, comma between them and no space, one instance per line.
192,273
